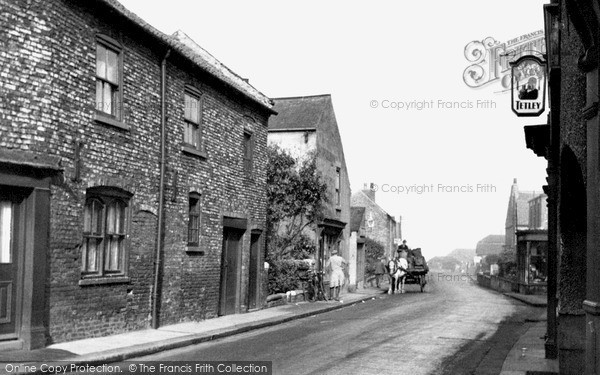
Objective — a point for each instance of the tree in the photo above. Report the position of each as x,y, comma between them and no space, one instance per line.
296,196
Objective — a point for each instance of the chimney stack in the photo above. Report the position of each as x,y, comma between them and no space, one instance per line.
369,191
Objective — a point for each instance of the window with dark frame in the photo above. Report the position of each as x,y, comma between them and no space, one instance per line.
6,227
104,232
248,152
337,186
194,220
108,77
193,119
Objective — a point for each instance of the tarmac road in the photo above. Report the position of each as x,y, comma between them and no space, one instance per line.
455,327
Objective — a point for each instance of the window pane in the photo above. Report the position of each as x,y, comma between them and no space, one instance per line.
194,221
115,218
5,231
187,109
91,250
97,218
99,95
92,218
190,134
111,219
194,135
107,98
113,252
185,133
100,61
194,111
87,217
120,212
112,67
246,145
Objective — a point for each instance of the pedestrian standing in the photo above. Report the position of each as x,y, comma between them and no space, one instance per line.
336,264
379,270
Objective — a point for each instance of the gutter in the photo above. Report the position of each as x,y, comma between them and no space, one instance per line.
161,195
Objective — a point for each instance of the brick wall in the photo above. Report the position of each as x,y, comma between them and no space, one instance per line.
47,70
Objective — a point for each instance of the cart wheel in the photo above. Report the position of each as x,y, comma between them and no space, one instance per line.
422,281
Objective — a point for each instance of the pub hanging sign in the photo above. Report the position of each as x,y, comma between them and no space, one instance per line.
528,92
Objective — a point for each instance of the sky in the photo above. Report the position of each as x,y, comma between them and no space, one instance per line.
394,70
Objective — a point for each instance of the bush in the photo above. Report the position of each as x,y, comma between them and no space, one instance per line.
283,276
303,248
373,254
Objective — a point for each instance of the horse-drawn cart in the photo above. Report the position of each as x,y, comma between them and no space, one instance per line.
417,269
416,276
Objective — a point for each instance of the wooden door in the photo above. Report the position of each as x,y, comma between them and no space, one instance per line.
11,202
254,271
232,239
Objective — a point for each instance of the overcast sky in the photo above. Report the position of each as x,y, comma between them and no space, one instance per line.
372,54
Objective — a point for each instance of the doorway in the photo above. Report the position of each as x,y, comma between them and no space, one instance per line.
254,271
230,262
11,255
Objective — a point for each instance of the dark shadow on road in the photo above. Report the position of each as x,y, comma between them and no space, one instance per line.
486,356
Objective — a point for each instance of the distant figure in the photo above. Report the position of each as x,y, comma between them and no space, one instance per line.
336,264
379,270
392,268
403,247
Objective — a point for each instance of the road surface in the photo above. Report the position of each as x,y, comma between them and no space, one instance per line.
455,327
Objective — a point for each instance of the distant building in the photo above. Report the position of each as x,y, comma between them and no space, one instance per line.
357,251
490,245
380,226
308,124
518,213
538,212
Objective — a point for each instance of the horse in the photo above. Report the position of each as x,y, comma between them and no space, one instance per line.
397,272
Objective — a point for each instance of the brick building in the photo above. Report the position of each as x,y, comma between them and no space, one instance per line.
308,124
518,213
132,176
570,142
381,226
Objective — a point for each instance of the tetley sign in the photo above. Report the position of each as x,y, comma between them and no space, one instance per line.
490,59
528,93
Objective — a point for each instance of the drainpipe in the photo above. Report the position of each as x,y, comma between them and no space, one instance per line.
161,194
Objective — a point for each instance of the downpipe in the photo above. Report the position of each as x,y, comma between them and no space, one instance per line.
161,196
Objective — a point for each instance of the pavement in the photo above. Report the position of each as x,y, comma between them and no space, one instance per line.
537,300
526,355
120,347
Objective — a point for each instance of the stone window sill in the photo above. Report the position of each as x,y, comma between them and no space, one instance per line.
194,151
194,250
109,120
104,280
